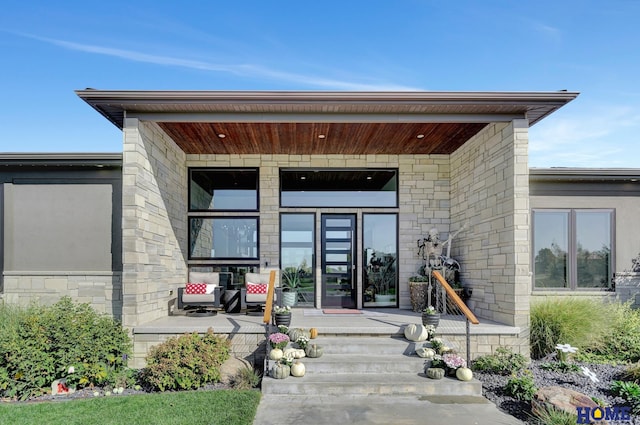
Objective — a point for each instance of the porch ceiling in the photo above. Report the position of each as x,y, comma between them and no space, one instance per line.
209,122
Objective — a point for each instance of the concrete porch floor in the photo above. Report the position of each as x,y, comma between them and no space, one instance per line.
382,321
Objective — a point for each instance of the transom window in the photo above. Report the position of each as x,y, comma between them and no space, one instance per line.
223,189
572,249
338,188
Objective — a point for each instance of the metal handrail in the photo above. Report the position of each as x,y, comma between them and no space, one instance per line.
460,305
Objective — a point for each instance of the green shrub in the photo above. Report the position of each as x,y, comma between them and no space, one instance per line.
40,344
621,343
630,391
246,379
504,362
186,362
581,322
521,387
552,416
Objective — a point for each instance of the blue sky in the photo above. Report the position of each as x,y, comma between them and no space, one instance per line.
593,47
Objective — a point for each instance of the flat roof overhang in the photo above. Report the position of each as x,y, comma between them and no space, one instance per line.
268,122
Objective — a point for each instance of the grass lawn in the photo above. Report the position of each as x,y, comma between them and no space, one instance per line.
228,407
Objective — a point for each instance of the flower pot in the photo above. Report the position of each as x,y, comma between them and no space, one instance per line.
418,293
282,319
431,319
289,298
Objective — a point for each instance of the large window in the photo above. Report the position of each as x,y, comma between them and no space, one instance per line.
380,243
338,188
223,189
297,247
223,237
572,249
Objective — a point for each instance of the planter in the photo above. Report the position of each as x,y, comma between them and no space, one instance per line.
282,319
431,319
418,295
289,298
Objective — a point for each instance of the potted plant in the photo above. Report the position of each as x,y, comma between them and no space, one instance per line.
282,315
418,287
291,281
430,316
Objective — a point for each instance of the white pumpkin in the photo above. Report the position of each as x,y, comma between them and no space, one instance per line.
464,374
425,352
276,354
289,352
416,332
299,353
298,369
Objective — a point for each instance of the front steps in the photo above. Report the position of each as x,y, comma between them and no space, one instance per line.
367,365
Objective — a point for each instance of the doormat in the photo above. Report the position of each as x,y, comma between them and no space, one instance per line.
341,311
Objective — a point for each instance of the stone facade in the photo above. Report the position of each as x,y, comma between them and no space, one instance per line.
154,222
102,290
489,191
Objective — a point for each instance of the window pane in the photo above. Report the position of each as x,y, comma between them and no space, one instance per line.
223,189
380,243
297,253
550,247
223,237
593,243
338,188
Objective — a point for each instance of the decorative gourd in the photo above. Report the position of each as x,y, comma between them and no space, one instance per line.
435,373
296,333
416,332
313,333
298,369
464,374
313,351
280,371
294,353
276,354
425,352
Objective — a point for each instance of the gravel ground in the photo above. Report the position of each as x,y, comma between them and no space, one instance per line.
493,387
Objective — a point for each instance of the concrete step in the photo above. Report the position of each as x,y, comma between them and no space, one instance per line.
350,384
367,365
376,364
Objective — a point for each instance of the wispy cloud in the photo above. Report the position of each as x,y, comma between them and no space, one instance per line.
246,70
599,137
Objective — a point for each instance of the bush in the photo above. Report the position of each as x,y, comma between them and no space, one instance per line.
186,362
521,387
40,344
630,391
246,379
503,362
580,322
621,343
552,416
632,373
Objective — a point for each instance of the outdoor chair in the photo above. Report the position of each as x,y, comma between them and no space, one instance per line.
203,292
254,293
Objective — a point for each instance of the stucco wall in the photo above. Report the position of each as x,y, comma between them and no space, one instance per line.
154,222
489,191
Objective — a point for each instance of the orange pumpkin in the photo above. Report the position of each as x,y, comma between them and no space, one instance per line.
313,333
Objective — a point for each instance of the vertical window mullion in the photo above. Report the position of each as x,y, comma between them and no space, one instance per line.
573,249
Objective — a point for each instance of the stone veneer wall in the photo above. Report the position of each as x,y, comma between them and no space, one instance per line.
154,222
489,189
423,199
100,289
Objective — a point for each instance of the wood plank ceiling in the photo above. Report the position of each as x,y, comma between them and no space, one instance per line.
320,138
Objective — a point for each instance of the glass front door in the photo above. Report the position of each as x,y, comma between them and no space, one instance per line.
338,279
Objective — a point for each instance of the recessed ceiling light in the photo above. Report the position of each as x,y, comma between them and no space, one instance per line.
321,136
420,136
222,135
303,177
369,177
